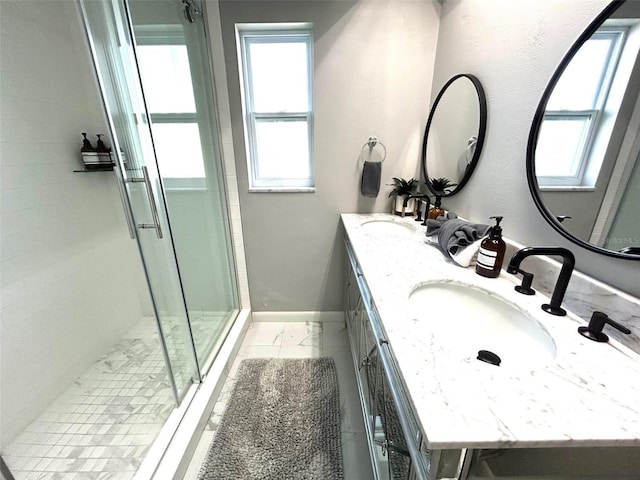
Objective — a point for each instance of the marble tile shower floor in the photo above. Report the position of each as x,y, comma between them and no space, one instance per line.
102,426
301,340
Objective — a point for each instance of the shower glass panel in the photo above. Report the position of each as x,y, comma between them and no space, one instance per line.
112,47
173,61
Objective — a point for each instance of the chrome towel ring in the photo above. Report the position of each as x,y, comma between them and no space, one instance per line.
371,143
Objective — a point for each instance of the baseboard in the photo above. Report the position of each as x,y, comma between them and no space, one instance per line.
310,316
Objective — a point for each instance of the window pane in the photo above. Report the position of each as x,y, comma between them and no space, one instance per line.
279,76
560,143
579,85
282,148
178,159
165,74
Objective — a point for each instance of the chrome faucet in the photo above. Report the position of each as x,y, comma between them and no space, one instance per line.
568,262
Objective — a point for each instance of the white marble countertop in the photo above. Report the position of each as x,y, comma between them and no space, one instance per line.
588,395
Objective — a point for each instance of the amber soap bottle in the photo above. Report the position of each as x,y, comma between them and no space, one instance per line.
491,253
437,210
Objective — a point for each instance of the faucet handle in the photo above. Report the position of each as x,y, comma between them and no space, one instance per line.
594,330
527,280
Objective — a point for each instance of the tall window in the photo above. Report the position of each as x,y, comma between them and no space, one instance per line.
166,76
276,66
575,112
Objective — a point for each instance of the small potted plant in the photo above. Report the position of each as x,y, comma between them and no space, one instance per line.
441,186
402,189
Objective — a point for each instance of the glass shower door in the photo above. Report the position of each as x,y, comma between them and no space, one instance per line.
171,49
145,205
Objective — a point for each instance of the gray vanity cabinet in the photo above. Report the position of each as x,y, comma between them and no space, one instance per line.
393,434
397,442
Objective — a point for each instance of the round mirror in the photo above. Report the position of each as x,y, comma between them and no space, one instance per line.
454,135
583,155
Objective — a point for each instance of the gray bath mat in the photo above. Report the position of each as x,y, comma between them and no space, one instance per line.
282,421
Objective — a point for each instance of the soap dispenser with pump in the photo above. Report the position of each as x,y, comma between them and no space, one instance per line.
436,210
89,154
491,253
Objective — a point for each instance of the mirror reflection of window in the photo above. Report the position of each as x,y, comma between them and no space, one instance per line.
163,61
576,111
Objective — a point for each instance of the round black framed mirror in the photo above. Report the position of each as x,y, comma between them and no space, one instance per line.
583,153
454,135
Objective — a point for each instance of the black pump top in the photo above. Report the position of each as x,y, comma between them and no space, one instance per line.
101,147
86,144
496,231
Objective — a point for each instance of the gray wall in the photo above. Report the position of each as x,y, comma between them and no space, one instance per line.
373,67
514,48
625,224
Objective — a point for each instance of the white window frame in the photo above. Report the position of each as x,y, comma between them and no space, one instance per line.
171,35
247,34
593,117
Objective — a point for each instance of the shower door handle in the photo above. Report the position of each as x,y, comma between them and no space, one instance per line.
125,204
152,202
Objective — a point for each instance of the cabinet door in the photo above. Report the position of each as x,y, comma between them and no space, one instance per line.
352,293
353,307
367,366
395,460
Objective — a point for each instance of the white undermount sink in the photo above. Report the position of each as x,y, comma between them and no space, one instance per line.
466,319
386,227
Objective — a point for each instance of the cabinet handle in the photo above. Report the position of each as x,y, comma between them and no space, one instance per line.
366,362
387,445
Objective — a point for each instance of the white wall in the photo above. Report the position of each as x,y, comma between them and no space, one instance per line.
70,274
514,48
373,67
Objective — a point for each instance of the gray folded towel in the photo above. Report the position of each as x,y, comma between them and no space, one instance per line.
433,226
370,183
455,234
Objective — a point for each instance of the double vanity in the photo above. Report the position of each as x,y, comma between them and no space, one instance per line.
425,334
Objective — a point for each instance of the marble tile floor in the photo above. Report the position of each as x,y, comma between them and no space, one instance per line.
300,340
102,426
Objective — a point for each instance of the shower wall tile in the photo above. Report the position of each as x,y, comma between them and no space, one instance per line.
70,275
228,154
234,211
232,186
227,132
